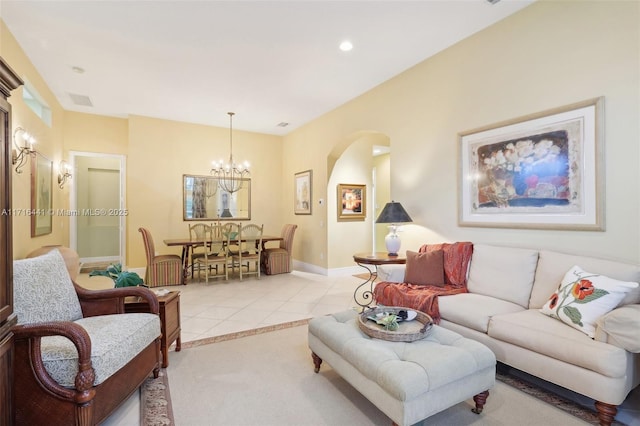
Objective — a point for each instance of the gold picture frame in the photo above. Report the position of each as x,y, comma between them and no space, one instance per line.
41,195
302,200
351,202
204,200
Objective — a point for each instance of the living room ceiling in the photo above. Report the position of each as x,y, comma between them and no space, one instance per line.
270,62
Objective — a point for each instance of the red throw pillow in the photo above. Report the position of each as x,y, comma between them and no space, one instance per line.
425,268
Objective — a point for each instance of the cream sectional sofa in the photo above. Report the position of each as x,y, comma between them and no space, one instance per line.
506,289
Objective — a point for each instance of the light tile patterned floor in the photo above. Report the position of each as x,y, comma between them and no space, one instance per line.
220,307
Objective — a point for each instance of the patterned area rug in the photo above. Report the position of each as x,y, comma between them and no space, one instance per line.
155,402
570,407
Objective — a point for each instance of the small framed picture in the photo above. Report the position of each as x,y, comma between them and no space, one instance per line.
352,202
302,196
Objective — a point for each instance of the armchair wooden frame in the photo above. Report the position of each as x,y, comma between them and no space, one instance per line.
39,400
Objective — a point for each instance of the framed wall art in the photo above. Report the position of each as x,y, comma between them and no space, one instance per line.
541,171
302,197
41,197
352,202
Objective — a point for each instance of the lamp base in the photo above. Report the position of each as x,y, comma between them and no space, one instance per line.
392,241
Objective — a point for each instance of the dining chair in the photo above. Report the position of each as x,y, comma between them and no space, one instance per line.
231,230
197,232
277,260
163,269
250,237
215,255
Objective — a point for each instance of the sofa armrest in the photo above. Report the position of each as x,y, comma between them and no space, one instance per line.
621,327
393,273
111,301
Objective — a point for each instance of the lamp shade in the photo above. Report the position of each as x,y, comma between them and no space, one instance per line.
393,212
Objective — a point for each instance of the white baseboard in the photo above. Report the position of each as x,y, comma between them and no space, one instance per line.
335,272
139,271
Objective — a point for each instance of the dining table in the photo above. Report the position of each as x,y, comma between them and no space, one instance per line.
188,244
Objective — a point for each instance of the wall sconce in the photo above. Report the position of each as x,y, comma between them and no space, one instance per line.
64,173
21,152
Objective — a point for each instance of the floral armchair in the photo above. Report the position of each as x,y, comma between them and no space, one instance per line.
77,354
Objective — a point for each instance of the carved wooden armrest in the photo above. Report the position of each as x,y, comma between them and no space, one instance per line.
29,336
111,301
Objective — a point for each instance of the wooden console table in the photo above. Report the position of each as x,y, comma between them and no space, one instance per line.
169,321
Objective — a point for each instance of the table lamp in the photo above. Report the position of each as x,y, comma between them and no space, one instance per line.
393,213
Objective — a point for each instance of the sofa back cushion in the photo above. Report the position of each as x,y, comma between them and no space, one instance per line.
43,291
503,272
552,266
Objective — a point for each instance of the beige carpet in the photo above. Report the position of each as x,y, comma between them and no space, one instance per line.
268,379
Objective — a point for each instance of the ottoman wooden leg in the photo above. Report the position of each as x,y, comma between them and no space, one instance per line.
480,399
316,362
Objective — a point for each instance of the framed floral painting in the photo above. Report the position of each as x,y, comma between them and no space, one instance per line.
542,171
41,195
351,202
302,196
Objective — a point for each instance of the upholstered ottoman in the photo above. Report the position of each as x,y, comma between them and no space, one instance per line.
407,381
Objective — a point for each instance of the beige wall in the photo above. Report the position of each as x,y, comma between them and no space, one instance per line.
382,164
158,153
348,236
519,66
550,54
49,143
161,151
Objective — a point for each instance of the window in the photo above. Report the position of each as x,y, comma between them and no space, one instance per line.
36,103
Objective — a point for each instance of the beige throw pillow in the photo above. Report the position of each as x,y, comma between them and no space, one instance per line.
425,268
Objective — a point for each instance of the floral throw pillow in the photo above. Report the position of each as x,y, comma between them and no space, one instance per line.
583,297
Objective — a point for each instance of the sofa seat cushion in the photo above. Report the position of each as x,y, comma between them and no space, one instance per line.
404,370
537,332
115,340
474,310
503,272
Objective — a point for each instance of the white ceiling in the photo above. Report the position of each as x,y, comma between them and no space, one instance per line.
268,61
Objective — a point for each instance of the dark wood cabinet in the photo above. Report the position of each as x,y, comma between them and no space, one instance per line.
8,82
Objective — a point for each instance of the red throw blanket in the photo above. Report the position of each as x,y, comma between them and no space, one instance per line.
424,298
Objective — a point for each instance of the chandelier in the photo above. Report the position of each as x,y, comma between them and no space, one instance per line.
230,175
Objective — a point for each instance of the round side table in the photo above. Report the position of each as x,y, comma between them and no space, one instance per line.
370,262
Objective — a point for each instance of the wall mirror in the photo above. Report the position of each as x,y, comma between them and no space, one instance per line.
203,200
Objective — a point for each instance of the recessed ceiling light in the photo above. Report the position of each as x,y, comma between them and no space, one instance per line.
346,46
